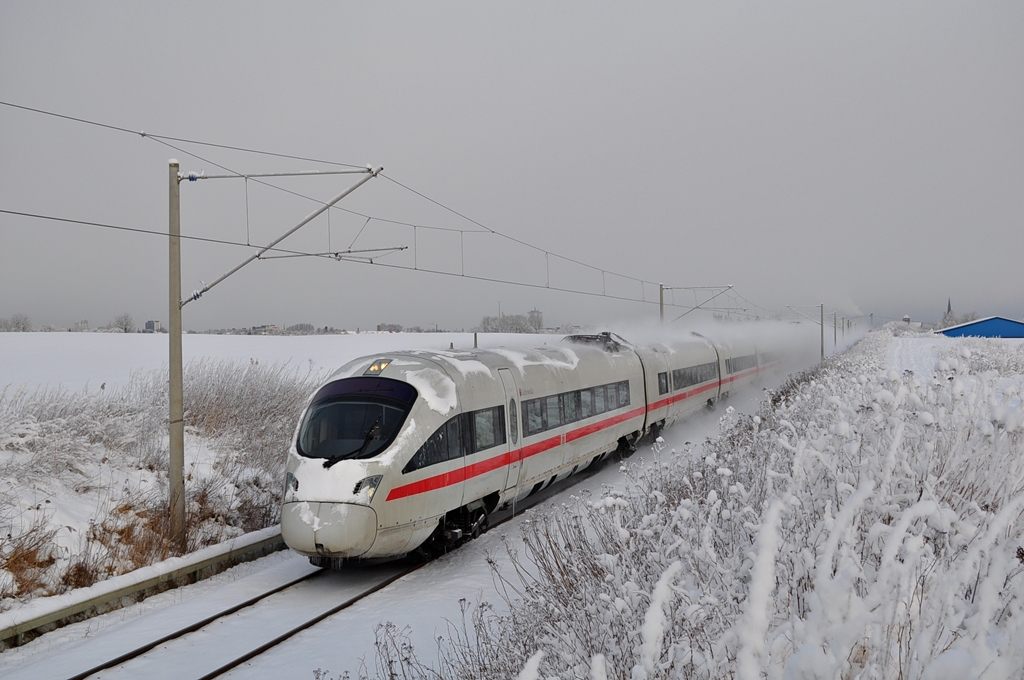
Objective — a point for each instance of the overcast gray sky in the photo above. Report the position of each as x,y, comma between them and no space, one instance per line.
865,155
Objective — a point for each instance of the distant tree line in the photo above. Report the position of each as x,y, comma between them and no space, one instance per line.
507,323
951,319
19,323
123,322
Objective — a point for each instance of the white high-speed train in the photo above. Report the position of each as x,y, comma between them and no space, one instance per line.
411,451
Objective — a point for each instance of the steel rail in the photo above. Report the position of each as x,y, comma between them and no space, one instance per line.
308,624
526,505
86,608
504,516
139,651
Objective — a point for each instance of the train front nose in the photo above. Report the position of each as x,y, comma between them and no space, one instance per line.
343,530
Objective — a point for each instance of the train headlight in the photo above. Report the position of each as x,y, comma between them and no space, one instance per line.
377,366
365,488
291,486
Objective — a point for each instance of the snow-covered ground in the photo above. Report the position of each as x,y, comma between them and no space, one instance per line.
880,537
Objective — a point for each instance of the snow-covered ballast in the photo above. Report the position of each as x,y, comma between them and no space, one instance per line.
413,450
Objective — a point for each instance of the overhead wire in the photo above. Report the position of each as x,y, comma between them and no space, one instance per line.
153,232
341,255
142,133
166,139
512,238
163,140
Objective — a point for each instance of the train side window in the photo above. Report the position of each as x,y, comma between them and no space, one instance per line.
737,364
663,383
571,406
433,451
599,394
483,430
623,393
586,403
488,427
552,412
455,442
499,425
513,420
533,418
694,375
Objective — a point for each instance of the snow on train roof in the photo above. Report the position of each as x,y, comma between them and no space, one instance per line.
436,388
521,359
484,361
465,367
436,374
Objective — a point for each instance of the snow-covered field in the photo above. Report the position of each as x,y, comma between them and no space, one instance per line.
85,361
865,523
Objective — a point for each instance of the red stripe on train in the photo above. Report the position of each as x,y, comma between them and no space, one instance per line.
681,396
581,432
667,401
476,469
483,467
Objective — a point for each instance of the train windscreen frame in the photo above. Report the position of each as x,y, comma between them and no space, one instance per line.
354,418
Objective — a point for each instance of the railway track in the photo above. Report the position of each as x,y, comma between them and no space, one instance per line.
221,638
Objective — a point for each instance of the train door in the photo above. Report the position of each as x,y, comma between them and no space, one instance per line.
512,422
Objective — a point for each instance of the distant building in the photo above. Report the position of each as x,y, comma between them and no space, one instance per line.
265,329
536,319
990,327
153,327
80,326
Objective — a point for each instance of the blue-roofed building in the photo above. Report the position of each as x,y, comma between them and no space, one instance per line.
991,327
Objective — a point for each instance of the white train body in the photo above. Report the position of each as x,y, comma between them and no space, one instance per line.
413,450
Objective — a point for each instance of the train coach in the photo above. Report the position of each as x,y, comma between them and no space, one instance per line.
410,452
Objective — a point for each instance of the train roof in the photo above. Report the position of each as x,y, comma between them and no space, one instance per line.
466,362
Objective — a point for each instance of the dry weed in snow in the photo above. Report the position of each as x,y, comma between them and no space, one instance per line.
83,476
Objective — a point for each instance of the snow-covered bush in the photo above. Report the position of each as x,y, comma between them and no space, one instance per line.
88,470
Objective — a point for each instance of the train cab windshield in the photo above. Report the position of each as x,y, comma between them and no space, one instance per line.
354,418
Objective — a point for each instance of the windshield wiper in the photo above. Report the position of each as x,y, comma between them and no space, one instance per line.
372,433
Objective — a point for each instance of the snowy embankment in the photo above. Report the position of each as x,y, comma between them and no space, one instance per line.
866,523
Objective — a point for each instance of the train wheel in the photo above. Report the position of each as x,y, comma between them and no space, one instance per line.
434,546
479,523
626,448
